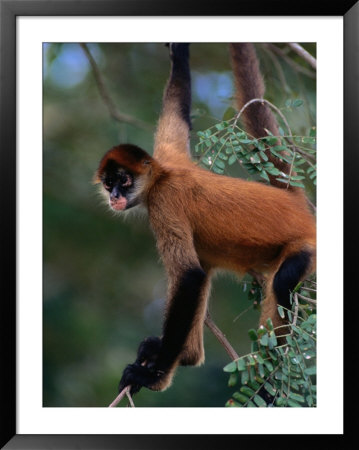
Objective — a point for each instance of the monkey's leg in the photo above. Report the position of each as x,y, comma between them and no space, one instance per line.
193,352
172,136
156,369
292,269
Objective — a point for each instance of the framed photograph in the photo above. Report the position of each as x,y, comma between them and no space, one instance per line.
83,287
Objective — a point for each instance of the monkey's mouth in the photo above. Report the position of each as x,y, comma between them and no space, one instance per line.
118,204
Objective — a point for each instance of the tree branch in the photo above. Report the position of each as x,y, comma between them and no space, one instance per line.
114,112
125,391
298,68
221,337
299,50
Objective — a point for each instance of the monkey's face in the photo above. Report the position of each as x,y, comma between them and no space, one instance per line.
120,186
124,172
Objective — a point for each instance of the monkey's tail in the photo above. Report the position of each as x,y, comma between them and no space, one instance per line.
256,116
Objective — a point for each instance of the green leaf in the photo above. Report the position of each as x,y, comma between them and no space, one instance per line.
282,180
269,324
295,183
254,385
260,145
247,390
270,389
272,341
244,377
293,404
278,148
231,403
240,397
252,373
264,340
281,312
206,161
297,103
310,370
261,370
264,175
263,156
233,379
268,365
271,141
241,365
251,360
273,171
261,331
232,159
259,401
231,367
253,334
219,164
217,170
308,140
296,397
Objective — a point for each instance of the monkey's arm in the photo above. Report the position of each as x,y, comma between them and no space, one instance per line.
181,342
172,136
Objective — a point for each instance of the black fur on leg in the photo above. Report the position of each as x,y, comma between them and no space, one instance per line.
180,315
156,356
288,276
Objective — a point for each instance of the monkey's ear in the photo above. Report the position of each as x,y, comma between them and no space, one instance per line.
96,178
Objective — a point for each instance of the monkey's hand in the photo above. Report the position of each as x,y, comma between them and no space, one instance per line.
144,371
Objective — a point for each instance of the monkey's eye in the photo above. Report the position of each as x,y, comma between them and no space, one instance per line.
125,179
108,184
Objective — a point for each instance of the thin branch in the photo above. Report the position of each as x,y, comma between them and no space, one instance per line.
130,398
221,337
312,205
114,112
279,112
278,66
307,299
120,396
303,53
293,64
125,391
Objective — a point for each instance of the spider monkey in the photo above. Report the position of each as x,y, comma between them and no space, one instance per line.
203,221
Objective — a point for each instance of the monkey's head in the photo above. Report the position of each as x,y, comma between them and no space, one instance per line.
124,172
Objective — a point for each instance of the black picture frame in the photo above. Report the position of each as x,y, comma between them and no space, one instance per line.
9,10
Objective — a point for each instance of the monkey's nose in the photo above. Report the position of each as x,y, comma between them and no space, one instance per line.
115,194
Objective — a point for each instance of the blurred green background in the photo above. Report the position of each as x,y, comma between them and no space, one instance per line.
104,286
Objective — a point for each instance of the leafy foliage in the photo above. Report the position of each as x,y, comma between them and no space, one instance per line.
225,144
280,369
